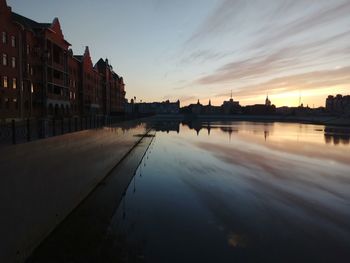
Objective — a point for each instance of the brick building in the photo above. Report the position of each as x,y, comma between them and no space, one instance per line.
10,68
113,88
41,77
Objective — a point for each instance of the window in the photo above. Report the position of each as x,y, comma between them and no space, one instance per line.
14,83
4,81
13,41
28,49
15,103
31,71
7,103
4,59
13,62
31,88
4,37
28,68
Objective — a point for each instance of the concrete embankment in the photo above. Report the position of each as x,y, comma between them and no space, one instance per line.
43,181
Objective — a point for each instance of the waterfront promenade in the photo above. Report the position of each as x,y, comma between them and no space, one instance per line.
42,182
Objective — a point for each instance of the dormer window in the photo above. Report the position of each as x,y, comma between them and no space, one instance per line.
13,62
4,37
4,59
13,41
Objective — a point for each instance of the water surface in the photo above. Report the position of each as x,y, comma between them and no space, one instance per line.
239,192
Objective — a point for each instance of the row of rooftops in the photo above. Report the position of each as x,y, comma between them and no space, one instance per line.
55,27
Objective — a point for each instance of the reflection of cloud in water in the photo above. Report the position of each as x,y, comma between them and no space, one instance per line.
306,186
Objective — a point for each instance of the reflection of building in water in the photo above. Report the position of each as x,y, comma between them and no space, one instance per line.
229,130
208,127
338,105
165,126
266,135
198,126
195,125
337,136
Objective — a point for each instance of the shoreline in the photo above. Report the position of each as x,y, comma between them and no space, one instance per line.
322,120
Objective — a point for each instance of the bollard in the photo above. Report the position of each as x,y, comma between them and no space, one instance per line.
62,126
13,126
28,130
70,124
53,127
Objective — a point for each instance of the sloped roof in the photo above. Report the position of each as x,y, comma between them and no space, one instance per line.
79,57
28,23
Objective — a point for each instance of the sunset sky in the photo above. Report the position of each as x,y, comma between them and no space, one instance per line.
203,49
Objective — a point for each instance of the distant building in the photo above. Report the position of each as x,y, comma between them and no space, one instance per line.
230,107
260,109
285,110
165,107
210,109
196,108
338,105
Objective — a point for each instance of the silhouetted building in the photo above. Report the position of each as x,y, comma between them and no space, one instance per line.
338,105
260,109
165,107
40,76
231,107
210,109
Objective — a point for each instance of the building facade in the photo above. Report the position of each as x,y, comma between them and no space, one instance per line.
41,77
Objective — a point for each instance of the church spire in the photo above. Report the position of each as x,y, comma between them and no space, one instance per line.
267,101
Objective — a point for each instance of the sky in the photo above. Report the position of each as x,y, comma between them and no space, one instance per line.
204,49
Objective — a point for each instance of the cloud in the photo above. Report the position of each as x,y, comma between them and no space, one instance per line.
305,81
203,55
313,20
282,38
217,21
271,62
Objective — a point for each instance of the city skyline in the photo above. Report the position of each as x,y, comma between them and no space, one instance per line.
192,50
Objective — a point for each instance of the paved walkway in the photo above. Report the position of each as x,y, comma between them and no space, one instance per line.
43,181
